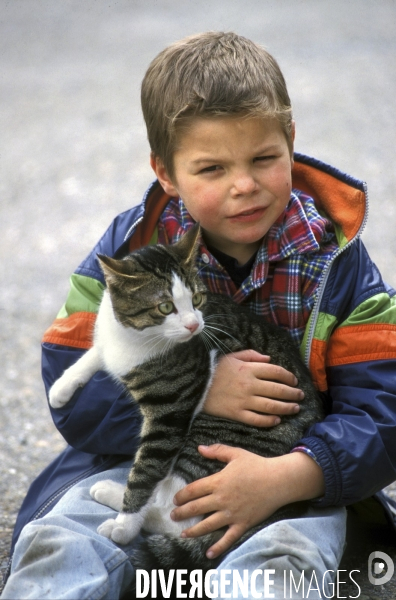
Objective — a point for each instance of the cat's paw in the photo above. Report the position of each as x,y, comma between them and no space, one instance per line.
62,390
109,493
123,529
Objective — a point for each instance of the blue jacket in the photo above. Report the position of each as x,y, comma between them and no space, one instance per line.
349,345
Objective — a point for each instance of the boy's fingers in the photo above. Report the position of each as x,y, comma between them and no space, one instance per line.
268,397
196,489
232,535
275,373
271,392
212,523
192,509
251,356
257,420
220,452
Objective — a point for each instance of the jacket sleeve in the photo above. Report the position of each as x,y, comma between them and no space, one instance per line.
100,418
355,444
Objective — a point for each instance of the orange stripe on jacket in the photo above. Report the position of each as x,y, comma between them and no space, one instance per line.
357,343
75,330
317,364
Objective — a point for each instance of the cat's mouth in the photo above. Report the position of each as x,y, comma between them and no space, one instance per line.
189,331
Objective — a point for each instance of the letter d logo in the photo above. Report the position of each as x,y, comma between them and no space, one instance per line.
376,568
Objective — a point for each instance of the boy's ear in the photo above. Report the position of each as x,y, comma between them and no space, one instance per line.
158,167
293,136
293,130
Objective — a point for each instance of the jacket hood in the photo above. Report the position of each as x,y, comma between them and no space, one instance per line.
341,197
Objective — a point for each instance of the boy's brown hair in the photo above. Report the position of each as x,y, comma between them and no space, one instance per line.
206,75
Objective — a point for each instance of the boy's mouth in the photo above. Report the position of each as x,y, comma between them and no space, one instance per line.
253,213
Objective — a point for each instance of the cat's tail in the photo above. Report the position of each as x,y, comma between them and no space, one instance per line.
159,557
160,551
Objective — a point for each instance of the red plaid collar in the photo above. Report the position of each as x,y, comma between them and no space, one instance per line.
297,230
287,269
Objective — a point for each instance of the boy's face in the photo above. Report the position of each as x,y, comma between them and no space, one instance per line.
234,176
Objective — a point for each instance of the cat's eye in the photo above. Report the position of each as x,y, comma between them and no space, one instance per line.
197,299
166,308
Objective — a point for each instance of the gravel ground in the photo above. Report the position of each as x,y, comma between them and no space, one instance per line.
74,154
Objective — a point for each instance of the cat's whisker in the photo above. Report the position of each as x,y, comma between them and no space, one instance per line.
208,338
206,343
152,338
151,349
199,271
215,340
222,331
149,345
167,348
208,320
217,343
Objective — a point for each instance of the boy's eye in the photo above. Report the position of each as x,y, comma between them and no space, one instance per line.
210,169
265,158
166,308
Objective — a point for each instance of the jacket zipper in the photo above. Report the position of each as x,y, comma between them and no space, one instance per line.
324,278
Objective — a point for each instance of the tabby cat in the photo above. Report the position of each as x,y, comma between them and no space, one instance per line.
161,333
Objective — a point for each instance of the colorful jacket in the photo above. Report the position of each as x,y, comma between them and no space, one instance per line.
349,345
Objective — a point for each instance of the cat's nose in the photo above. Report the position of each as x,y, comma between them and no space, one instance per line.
193,327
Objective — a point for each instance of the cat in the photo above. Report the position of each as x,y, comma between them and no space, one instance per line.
161,333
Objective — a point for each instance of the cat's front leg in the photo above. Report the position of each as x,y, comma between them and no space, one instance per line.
123,529
126,526
74,377
108,492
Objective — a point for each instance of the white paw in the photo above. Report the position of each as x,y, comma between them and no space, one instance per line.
62,390
123,529
109,493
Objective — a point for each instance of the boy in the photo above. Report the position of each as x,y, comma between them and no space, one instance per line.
280,236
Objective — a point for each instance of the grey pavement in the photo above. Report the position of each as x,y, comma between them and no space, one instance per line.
73,153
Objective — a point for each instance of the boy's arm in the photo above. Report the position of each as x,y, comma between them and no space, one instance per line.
100,418
355,444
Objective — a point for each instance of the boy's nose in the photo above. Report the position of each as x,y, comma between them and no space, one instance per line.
244,184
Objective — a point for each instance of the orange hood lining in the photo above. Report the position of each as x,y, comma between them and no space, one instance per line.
343,203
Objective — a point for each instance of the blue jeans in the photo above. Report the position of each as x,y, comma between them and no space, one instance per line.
61,556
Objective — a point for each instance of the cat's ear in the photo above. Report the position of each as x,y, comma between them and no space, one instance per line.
187,246
114,270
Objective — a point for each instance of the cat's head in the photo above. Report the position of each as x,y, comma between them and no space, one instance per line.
158,287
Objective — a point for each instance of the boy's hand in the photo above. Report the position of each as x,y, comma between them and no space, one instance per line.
247,491
246,385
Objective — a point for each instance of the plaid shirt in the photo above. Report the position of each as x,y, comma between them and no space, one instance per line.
285,275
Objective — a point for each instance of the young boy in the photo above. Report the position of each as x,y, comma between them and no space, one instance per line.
280,234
